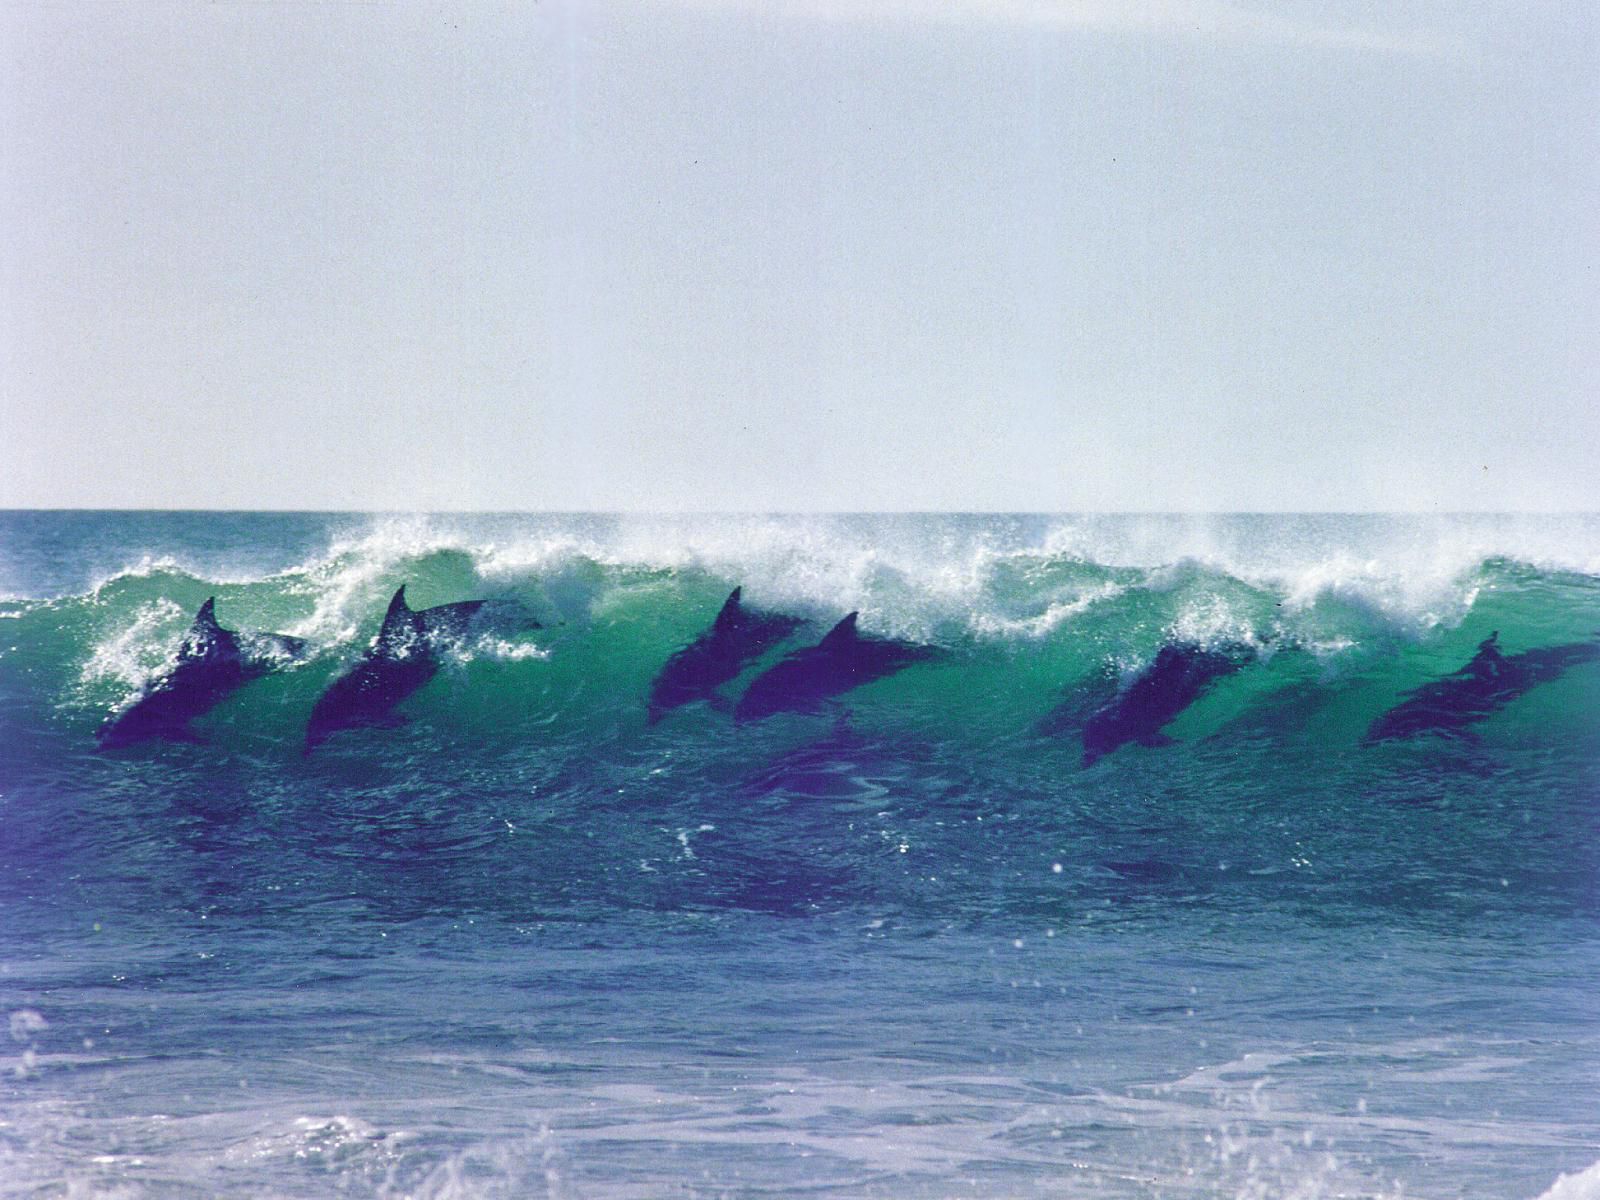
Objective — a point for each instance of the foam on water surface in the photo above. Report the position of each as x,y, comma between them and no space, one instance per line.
526,943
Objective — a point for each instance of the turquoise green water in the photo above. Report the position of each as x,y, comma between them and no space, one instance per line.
527,944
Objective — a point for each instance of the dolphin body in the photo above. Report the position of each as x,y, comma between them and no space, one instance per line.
843,659
1179,675
1481,688
211,663
737,636
403,657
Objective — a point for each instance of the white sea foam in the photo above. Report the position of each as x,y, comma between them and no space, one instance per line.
1323,581
131,654
25,1023
142,568
1585,1185
501,650
1211,620
349,582
1057,613
324,1142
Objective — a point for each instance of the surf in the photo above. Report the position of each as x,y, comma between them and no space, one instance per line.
1031,616
509,869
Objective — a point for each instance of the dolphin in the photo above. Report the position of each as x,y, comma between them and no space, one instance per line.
211,662
1481,688
737,636
1178,676
403,657
843,659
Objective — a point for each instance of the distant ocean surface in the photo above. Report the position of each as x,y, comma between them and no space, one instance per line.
528,944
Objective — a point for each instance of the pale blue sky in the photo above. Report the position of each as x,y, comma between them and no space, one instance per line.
800,254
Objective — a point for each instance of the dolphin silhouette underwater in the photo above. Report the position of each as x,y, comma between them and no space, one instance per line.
1489,682
403,657
211,662
1178,676
696,671
845,658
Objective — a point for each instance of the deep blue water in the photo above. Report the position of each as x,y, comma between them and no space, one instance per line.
907,945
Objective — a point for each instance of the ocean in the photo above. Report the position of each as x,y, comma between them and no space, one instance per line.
515,938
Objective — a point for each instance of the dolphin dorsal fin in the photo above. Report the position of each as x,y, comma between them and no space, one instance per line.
730,610
399,623
1487,663
841,634
205,636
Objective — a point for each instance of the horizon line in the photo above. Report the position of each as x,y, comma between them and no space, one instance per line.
828,512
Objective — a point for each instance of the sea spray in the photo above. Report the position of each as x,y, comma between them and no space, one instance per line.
906,945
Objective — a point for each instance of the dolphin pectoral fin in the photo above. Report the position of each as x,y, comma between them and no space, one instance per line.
1155,741
720,703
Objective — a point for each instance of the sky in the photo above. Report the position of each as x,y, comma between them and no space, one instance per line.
759,255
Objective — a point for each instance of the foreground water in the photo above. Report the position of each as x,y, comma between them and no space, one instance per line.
529,945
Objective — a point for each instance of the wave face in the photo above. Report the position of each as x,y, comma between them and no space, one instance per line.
527,848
